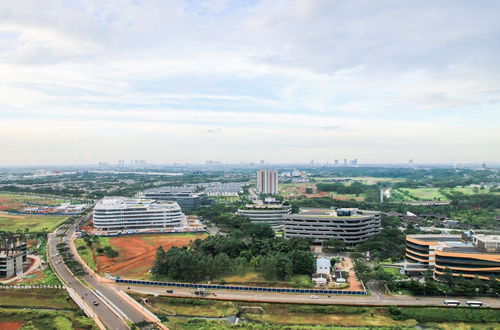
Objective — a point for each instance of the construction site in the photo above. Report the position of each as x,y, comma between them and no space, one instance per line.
13,254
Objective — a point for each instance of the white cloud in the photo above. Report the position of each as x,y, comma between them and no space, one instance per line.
238,75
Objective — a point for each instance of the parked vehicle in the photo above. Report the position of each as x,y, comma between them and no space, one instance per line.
451,302
170,291
472,303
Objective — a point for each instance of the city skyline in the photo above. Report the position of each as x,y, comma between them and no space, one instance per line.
284,81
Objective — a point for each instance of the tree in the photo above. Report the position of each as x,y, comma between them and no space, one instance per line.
303,262
334,245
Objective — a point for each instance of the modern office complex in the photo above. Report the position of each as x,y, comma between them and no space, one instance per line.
13,255
350,225
186,198
123,213
270,211
267,182
467,255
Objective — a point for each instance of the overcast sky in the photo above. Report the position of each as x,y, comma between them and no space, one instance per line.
279,80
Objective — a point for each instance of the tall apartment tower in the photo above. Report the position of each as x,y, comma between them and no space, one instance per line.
267,181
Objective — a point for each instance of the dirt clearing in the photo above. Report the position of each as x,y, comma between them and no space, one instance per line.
137,253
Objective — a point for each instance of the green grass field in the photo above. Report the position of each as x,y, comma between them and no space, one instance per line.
17,201
301,316
44,319
256,279
86,253
37,298
35,223
362,179
433,194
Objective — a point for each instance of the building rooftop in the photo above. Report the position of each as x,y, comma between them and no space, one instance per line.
130,203
323,262
437,238
333,213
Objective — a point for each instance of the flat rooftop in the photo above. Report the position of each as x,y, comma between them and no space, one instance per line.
131,203
438,238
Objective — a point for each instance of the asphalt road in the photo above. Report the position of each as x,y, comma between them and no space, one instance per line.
375,299
111,316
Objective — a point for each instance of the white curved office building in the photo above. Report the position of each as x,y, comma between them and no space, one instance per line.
124,213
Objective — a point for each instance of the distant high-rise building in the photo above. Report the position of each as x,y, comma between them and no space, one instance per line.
483,166
267,181
410,162
354,161
336,162
345,161
262,162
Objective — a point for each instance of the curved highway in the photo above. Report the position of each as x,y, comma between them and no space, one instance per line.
102,299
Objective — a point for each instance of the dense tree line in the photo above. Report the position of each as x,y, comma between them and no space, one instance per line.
218,256
388,244
355,188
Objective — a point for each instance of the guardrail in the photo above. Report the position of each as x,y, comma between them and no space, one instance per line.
240,288
151,233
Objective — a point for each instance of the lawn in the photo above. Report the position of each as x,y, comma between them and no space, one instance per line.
256,279
468,190
86,253
188,306
15,202
394,271
418,194
282,316
37,298
35,223
46,320
362,179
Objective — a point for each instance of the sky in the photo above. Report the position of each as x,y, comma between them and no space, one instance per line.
278,80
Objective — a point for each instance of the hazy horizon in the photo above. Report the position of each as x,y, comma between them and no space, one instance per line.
284,81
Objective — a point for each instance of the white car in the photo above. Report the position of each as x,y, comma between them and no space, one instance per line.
314,297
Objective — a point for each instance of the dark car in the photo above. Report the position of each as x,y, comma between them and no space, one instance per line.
170,291
95,303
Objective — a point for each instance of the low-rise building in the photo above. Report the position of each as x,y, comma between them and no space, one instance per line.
349,225
269,211
323,266
186,199
468,255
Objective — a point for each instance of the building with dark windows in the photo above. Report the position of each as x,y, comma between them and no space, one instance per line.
267,182
13,254
186,199
468,255
352,226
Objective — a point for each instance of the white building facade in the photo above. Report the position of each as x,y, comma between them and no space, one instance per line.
124,213
267,181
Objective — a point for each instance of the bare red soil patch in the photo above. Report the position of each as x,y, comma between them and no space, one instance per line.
14,325
137,253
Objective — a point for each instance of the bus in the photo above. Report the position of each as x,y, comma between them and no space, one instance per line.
451,302
472,303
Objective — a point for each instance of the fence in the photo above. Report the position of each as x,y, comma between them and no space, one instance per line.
150,233
239,288
31,286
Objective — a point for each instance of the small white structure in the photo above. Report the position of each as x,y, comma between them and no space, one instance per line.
320,279
323,266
